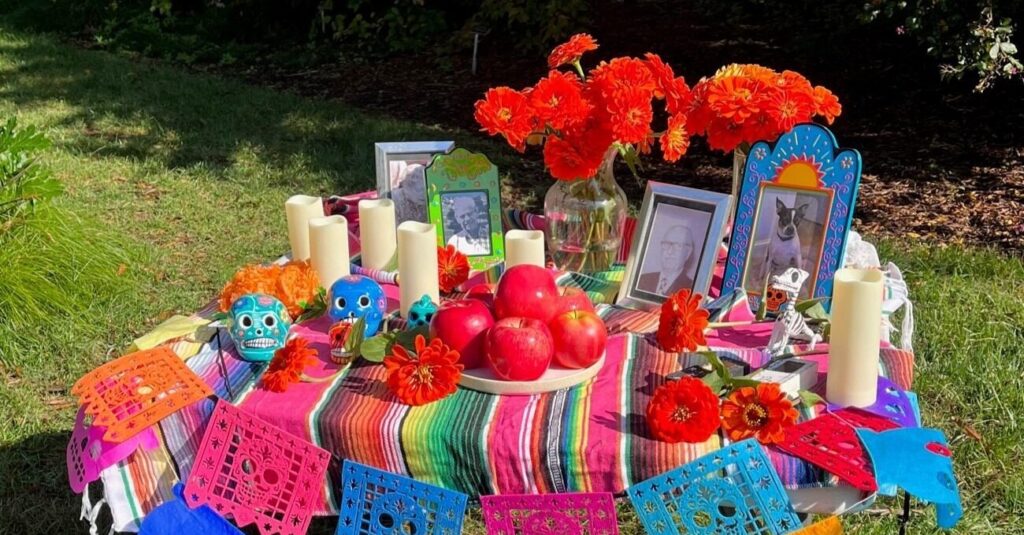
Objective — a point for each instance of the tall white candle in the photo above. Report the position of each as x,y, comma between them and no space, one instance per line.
377,232
524,247
300,209
328,248
853,347
417,263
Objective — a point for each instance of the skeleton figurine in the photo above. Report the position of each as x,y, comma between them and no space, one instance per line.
790,323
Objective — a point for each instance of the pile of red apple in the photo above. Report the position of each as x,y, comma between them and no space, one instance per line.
522,329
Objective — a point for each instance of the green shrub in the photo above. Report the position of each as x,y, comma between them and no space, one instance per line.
24,183
969,37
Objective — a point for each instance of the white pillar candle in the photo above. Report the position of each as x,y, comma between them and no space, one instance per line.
855,331
417,263
377,232
524,247
328,248
300,209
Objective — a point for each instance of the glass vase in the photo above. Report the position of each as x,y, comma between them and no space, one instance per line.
585,220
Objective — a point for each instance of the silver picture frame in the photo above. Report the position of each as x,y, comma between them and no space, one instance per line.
686,226
401,175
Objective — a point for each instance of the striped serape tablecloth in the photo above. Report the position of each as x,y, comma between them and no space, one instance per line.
591,437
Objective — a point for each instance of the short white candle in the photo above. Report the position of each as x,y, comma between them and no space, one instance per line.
524,247
299,209
854,343
328,248
377,239
417,263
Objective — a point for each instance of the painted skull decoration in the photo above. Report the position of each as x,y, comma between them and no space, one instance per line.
356,296
258,325
421,312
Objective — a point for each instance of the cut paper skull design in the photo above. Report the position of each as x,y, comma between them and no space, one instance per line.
88,454
355,296
550,514
256,473
258,325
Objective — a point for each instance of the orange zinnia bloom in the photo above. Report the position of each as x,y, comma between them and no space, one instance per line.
452,268
577,155
826,104
621,74
505,111
683,411
569,52
675,140
287,365
631,113
558,100
763,412
735,98
788,108
682,322
429,374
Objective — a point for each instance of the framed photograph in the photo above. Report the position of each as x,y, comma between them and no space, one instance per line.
795,208
401,175
464,203
676,244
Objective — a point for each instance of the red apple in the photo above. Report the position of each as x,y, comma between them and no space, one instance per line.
519,349
462,326
579,337
482,293
571,298
526,291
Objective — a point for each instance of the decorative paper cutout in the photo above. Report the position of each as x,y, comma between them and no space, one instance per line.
550,514
88,454
175,518
256,472
828,526
733,490
830,442
375,502
918,460
130,394
891,403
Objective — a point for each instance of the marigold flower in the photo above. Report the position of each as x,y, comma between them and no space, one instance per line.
294,284
675,140
558,100
452,268
685,410
569,52
763,412
505,111
429,374
682,322
287,365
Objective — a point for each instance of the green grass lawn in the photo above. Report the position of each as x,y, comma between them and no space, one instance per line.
192,171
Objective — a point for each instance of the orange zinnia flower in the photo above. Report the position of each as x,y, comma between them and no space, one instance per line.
682,322
577,155
763,412
826,104
505,111
735,98
287,365
631,113
452,268
429,374
558,100
569,52
683,411
675,140
788,108
623,73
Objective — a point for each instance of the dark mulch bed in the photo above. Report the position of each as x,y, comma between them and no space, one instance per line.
941,163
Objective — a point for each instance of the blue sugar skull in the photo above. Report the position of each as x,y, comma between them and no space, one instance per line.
356,296
421,312
258,325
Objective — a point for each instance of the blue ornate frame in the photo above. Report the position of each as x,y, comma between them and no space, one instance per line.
807,158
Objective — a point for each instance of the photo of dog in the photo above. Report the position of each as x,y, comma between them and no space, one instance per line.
788,233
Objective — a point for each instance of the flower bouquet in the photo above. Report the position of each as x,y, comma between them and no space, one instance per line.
583,120
742,104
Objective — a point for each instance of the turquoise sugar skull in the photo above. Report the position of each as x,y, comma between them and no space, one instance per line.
421,312
258,325
356,296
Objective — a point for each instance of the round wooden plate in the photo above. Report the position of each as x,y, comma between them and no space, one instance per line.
556,378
